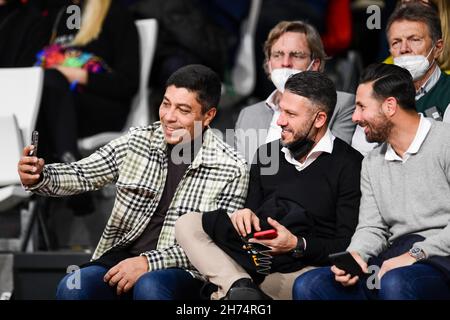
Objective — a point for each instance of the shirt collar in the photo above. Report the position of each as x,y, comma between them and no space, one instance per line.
325,144
429,84
421,134
271,103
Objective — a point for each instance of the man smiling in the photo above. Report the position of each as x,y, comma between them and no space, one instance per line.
311,201
404,216
137,256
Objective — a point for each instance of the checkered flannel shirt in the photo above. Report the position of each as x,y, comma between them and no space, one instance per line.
137,164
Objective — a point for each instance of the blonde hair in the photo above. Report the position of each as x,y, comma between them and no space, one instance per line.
92,19
444,15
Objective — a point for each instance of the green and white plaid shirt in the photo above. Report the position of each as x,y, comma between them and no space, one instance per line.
137,164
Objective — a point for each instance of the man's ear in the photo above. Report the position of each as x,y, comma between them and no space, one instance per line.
267,67
209,116
321,119
316,65
439,48
390,106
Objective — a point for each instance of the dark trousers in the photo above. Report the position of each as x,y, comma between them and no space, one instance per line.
167,284
414,282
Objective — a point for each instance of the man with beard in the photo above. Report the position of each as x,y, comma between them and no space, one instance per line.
291,47
405,206
161,171
311,201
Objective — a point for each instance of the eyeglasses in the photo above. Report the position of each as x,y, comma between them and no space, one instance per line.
413,43
294,55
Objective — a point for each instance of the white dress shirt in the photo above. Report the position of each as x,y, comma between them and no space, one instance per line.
421,134
325,144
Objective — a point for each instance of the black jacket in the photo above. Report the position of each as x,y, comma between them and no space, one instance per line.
319,203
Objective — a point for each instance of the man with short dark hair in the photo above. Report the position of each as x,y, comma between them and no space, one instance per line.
162,171
311,201
404,215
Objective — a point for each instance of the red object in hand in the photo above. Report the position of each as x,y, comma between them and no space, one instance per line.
266,234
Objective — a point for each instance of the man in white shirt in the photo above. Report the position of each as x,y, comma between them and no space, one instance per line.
415,42
403,231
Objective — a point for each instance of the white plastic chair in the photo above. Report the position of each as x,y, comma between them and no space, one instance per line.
139,115
11,144
20,94
243,74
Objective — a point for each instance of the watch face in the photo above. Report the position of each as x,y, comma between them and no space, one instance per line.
417,253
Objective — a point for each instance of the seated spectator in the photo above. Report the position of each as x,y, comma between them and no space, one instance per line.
404,216
291,47
161,171
443,9
307,189
331,18
415,41
78,101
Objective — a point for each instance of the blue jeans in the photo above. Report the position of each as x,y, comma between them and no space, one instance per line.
168,284
415,282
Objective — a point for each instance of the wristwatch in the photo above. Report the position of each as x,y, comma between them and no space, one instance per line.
299,249
417,253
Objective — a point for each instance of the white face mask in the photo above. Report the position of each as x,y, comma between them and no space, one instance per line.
417,65
281,75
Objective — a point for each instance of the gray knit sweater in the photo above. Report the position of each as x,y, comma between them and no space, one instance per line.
405,198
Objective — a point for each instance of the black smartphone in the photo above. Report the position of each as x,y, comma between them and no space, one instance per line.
345,261
34,142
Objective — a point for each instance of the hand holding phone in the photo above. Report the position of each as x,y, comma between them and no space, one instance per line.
266,234
345,261
34,143
30,167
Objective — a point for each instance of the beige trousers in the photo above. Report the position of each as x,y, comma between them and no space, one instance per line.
221,269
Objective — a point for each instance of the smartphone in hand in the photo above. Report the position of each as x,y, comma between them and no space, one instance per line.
34,142
266,234
345,261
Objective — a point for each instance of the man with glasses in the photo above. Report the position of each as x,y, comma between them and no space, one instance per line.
415,41
291,47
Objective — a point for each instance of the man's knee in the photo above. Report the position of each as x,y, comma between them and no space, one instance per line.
151,286
85,283
305,285
64,291
395,285
186,224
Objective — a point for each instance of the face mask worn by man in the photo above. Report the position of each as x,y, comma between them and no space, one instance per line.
281,75
302,146
417,65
